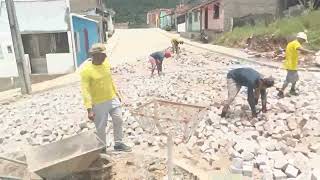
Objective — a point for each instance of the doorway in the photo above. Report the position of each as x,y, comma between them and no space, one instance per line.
206,18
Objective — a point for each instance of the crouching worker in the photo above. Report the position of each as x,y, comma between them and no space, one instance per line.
175,45
101,97
256,85
156,60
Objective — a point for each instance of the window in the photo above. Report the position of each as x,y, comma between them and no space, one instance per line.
196,16
9,49
216,11
181,19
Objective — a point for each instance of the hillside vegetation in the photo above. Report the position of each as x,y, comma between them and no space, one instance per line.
135,11
281,29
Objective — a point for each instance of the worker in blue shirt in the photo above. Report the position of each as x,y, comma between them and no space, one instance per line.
256,85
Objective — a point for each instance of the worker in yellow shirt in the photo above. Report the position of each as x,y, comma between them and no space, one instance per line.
175,45
291,63
101,97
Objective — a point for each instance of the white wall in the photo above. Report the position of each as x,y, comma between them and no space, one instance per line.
8,66
61,63
182,27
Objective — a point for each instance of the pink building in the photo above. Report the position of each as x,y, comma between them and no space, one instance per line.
212,16
153,18
221,15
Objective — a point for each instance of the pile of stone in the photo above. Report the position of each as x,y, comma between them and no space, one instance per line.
46,117
124,69
283,143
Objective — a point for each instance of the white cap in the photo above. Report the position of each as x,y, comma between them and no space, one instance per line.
302,35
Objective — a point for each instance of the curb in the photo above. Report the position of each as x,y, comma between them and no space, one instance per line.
190,43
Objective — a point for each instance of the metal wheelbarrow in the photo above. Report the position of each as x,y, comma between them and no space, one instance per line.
65,157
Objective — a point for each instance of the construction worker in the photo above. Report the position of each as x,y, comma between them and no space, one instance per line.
156,60
256,85
101,97
291,63
175,45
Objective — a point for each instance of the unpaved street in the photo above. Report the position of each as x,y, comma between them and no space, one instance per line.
284,142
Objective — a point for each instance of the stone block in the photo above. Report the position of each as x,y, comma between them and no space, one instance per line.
261,160
291,171
315,174
237,163
235,170
247,156
315,147
279,175
276,155
280,163
267,176
247,170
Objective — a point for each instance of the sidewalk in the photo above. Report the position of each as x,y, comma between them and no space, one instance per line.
14,94
231,52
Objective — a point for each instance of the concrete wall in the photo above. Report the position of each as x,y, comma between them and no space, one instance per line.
61,63
240,8
78,6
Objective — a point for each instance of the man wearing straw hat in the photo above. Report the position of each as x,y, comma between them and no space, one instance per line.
291,63
101,97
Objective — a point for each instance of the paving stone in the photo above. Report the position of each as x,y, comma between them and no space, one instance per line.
315,174
247,156
237,163
315,147
235,170
247,170
291,171
46,132
279,175
280,163
83,125
292,123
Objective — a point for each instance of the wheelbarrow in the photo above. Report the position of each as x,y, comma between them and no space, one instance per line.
65,157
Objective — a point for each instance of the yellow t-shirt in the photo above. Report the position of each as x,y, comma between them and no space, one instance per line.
291,61
97,84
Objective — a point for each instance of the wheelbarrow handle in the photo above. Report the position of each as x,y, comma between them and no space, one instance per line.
10,177
14,161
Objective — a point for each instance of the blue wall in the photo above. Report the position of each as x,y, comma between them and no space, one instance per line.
80,26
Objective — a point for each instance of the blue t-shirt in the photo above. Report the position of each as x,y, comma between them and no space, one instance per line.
158,55
250,78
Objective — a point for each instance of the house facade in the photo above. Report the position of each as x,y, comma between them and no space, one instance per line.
180,15
95,9
165,18
222,15
153,18
48,35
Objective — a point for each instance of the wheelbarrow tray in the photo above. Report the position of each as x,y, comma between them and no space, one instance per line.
65,157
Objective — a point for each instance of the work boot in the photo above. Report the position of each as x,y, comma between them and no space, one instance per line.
293,92
122,147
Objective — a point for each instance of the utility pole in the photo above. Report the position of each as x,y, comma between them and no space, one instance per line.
24,76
